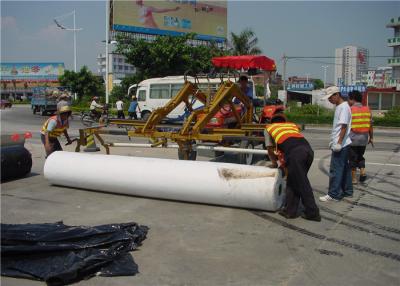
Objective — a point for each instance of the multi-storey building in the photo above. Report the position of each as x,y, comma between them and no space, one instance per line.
394,62
118,68
350,63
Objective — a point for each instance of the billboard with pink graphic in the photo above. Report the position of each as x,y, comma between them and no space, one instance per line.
208,19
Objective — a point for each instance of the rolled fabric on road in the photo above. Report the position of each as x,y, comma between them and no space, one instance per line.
252,187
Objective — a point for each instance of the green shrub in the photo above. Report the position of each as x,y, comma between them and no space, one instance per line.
309,118
308,109
393,113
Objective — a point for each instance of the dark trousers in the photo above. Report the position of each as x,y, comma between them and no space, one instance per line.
132,115
54,144
356,157
298,162
121,114
95,114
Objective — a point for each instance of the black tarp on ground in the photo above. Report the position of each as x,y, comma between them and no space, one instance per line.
61,254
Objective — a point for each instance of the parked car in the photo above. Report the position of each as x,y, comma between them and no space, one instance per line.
5,103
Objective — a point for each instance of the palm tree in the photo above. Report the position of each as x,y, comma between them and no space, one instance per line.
245,43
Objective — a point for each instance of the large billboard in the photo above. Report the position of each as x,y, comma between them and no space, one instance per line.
208,19
31,71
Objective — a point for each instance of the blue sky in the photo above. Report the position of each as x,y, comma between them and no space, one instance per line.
28,33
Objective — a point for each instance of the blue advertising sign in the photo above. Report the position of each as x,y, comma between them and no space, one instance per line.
345,89
301,86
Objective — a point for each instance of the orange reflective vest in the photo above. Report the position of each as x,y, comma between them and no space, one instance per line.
360,119
280,132
59,130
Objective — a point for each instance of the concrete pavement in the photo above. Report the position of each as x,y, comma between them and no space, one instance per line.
357,242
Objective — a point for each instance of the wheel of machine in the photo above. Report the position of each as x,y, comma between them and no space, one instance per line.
219,153
187,153
145,116
246,159
86,120
34,110
43,111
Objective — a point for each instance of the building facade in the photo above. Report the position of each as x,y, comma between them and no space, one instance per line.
380,77
394,42
118,68
350,63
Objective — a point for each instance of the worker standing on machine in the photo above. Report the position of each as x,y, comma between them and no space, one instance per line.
287,145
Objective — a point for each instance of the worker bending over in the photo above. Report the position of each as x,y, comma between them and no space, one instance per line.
287,145
54,127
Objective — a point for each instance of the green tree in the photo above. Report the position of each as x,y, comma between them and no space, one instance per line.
244,43
129,80
117,92
166,55
84,83
318,84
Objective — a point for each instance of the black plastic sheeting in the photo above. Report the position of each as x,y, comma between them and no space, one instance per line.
61,254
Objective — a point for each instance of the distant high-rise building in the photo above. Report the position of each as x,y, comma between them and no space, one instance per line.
394,42
118,67
350,63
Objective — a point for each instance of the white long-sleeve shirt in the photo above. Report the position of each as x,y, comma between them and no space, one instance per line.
95,105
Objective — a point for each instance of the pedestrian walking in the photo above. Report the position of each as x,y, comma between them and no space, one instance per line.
133,107
285,143
361,135
340,184
120,109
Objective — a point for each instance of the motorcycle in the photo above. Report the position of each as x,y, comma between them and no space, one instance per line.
89,119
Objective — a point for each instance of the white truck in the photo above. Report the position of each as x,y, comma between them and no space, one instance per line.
156,92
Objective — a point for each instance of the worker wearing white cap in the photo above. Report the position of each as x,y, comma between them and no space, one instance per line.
340,184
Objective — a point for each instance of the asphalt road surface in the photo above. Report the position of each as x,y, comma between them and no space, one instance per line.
357,242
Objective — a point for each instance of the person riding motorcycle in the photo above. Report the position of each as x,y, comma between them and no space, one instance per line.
94,106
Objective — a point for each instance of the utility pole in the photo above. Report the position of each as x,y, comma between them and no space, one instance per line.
74,45
325,68
284,59
107,95
307,75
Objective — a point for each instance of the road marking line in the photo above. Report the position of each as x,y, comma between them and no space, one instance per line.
378,164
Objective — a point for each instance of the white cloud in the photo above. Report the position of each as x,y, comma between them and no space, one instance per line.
51,32
8,22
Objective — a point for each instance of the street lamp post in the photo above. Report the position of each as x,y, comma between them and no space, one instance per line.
74,29
107,68
107,34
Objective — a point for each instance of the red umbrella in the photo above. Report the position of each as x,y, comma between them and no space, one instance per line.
245,62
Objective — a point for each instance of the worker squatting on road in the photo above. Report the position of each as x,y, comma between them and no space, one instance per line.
287,145
54,127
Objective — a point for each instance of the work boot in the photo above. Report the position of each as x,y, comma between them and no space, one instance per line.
363,175
354,176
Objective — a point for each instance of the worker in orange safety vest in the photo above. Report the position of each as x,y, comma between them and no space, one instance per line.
284,138
361,135
54,127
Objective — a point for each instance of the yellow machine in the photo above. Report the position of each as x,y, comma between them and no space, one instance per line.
195,130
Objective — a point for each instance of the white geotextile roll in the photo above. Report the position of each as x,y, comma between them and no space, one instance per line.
253,187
